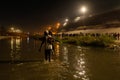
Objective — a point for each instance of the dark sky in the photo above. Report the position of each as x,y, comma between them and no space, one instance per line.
34,14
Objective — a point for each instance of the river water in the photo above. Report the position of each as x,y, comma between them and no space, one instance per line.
21,60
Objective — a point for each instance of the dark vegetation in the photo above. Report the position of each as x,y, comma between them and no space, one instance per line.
102,41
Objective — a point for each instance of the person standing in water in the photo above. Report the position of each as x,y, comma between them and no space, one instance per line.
49,47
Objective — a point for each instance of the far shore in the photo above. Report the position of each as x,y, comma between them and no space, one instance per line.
4,37
104,30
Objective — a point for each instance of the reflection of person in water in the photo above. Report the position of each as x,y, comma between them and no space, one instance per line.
48,41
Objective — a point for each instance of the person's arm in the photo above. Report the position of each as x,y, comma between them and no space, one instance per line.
53,48
41,44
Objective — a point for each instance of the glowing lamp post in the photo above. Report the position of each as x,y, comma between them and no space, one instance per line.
66,22
83,10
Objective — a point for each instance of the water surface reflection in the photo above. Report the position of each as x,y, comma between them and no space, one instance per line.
69,62
15,48
74,56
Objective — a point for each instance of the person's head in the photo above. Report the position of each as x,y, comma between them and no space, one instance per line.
46,32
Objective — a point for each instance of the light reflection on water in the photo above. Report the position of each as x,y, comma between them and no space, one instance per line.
71,62
28,40
75,60
15,48
80,67
57,49
65,55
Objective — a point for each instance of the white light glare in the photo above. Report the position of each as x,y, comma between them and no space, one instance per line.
77,19
66,20
83,9
65,24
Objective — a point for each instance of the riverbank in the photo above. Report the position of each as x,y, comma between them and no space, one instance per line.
90,41
99,30
4,37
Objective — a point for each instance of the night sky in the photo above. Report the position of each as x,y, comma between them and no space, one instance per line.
33,15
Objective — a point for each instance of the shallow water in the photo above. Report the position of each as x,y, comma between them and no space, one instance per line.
21,60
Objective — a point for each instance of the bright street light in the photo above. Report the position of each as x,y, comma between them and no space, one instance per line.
66,22
83,9
77,19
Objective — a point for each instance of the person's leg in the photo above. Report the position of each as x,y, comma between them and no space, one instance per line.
46,52
49,55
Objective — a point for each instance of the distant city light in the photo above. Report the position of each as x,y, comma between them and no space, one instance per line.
12,28
58,25
65,24
18,31
66,20
77,19
49,28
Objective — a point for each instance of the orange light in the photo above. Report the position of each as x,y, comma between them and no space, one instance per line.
58,25
49,28
54,32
